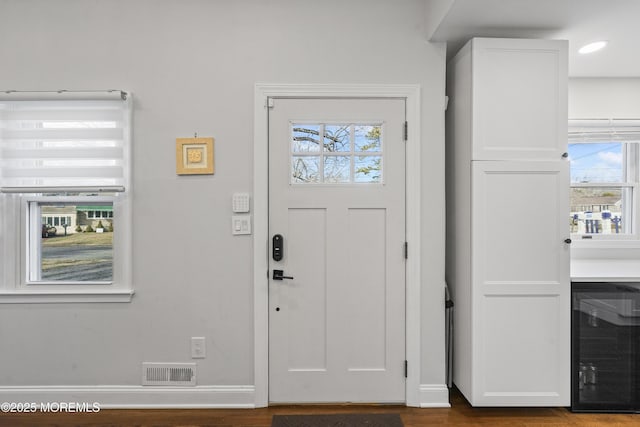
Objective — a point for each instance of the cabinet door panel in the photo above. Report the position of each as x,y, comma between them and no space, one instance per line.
519,99
520,211
521,283
523,354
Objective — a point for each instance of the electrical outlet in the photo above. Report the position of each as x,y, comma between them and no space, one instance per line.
198,348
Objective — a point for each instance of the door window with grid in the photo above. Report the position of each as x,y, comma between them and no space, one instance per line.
330,153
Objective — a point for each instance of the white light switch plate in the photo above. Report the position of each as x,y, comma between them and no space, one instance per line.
241,224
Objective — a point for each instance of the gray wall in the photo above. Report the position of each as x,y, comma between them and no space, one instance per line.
604,98
192,66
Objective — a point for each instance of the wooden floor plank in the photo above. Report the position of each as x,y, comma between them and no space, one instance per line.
460,414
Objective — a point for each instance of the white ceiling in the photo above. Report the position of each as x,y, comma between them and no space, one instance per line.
579,21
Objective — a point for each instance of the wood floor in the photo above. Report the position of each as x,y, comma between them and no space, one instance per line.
460,414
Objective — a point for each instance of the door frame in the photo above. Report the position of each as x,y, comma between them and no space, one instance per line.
262,94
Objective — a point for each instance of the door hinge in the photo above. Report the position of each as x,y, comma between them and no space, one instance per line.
406,250
406,369
405,132
269,103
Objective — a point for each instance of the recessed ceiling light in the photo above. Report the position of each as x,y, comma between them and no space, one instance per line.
592,47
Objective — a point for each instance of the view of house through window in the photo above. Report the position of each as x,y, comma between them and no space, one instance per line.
603,180
75,242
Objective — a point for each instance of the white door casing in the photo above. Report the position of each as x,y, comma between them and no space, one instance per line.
336,195
263,92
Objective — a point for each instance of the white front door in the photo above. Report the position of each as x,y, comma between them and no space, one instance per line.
337,212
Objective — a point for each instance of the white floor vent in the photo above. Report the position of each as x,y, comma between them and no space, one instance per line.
170,374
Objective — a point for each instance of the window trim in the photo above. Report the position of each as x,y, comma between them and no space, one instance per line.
65,296
16,289
13,226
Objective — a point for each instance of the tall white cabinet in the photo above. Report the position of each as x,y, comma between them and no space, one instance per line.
508,213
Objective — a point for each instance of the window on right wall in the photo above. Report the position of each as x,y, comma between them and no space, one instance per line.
604,159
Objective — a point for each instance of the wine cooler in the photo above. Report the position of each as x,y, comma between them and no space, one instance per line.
605,338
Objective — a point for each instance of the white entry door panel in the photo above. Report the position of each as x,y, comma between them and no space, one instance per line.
337,198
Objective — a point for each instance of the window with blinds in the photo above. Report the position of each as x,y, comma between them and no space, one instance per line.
51,146
604,177
64,179
604,130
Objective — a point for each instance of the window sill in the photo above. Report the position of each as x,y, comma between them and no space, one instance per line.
605,260
580,245
605,270
29,297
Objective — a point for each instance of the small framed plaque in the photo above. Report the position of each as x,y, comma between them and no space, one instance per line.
194,156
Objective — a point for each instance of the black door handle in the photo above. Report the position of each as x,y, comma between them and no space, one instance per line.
279,275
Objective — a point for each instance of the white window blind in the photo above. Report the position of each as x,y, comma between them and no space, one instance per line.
64,145
604,130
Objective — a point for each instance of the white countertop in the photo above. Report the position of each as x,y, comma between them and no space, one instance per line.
605,270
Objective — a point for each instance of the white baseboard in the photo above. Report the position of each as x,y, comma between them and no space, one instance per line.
138,397
141,397
434,396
